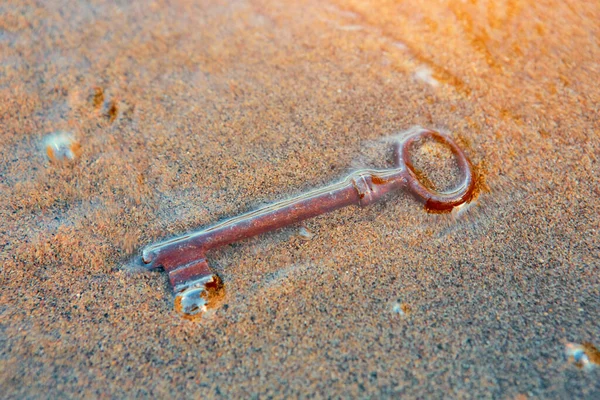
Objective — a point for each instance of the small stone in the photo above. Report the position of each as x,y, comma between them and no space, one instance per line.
401,309
584,356
305,233
61,146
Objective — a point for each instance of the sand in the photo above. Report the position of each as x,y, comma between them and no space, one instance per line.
183,113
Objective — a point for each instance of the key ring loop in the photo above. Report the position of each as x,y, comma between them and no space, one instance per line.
436,201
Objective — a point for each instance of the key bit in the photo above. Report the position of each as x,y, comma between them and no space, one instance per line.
184,257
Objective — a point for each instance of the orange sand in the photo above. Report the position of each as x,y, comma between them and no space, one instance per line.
188,112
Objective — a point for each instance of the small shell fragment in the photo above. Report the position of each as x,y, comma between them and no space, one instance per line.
584,356
61,146
305,233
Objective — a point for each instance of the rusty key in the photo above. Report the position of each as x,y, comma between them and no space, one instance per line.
184,257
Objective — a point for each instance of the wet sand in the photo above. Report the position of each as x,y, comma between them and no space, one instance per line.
188,112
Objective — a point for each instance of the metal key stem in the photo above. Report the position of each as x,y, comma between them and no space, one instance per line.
184,257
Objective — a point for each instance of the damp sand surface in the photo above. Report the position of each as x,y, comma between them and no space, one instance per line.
184,113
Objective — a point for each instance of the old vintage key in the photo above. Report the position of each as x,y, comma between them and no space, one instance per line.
184,257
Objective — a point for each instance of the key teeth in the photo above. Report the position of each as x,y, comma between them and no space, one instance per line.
196,287
186,274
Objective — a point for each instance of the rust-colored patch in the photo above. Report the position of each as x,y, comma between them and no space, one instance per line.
98,97
377,180
214,292
113,111
479,173
50,153
406,309
592,352
76,149
430,209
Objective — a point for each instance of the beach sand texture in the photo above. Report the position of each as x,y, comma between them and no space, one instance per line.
177,114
